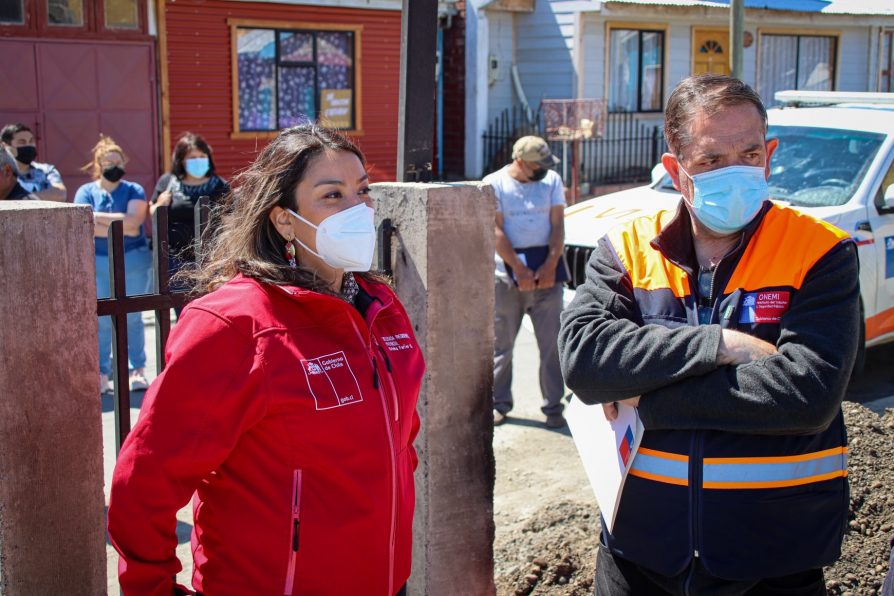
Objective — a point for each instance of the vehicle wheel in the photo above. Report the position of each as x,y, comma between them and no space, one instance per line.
860,360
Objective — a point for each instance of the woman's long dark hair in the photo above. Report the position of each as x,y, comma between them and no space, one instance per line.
185,144
244,240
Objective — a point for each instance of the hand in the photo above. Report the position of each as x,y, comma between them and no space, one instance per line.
611,410
524,277
164,199
739,348
546,276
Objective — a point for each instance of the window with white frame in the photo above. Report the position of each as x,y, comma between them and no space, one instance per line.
636,70
804,62
886,62
286,77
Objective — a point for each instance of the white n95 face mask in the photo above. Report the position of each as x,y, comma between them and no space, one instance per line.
345,240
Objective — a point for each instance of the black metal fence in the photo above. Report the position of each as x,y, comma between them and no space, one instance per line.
625,153
119,305
503,132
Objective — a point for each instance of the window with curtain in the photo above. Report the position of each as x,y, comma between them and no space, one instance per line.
886,63
289,77
636,70
795,62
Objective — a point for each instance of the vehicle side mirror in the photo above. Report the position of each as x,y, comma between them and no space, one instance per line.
658,173
888,200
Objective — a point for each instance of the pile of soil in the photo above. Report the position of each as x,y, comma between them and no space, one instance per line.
865,553
554,551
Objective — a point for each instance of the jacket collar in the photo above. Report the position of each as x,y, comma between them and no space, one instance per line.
371,299
675,240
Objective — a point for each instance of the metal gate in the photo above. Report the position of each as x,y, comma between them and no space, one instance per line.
119,305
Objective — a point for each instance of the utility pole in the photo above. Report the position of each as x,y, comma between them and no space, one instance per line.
736,36
416,112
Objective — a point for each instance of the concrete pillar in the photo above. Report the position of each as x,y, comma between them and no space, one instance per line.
52,521
443,262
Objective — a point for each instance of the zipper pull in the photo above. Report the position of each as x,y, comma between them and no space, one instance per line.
297,526
375,373
387,359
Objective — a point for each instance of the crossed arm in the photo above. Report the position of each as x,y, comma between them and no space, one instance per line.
133,219
711,378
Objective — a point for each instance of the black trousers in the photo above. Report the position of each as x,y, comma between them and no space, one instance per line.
618,577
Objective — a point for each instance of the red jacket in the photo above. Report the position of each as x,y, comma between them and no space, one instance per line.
292,420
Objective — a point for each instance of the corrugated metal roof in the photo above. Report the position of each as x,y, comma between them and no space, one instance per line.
853,7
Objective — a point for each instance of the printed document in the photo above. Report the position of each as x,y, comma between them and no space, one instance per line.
607,450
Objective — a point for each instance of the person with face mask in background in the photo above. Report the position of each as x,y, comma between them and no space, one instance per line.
40,179
114,199
192,176
287,409
10,189
732,325
530,268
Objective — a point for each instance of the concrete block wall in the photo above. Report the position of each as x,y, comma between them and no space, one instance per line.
52,519
443,273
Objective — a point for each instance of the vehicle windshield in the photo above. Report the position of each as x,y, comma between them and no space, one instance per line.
819,167
815,167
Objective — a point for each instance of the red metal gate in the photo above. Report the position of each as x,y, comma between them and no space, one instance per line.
70,91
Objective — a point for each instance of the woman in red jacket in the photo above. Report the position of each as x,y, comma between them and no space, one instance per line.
287,409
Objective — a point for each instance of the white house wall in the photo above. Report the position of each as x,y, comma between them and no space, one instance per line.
853,56
544,50
500,93
855,71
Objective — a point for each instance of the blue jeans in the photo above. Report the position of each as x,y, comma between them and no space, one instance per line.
137,279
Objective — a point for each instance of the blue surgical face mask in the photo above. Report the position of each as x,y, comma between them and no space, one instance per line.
197,167
727,199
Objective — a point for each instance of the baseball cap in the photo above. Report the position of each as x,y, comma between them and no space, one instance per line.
534,149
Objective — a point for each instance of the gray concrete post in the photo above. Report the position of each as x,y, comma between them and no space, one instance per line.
52,527
443,262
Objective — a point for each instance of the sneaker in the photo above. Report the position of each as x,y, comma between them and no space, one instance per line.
105,385
499,417
138,380
555,421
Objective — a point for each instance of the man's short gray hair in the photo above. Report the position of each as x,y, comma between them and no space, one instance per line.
6,159
708,93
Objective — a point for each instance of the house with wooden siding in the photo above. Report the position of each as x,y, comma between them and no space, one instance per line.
631,53
75,68
234,71
239,71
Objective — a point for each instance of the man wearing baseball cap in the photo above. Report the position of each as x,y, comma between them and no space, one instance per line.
529,270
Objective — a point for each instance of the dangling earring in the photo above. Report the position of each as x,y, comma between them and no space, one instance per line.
290,254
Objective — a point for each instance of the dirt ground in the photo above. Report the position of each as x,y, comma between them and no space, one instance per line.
547,523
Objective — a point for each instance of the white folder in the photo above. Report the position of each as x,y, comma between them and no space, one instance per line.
607,450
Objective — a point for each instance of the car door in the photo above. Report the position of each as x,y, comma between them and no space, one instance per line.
881,219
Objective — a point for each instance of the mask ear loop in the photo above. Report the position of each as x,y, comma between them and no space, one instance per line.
303,245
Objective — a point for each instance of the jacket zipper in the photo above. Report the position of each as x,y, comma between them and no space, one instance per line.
295,529
695,481
394,402
393,454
